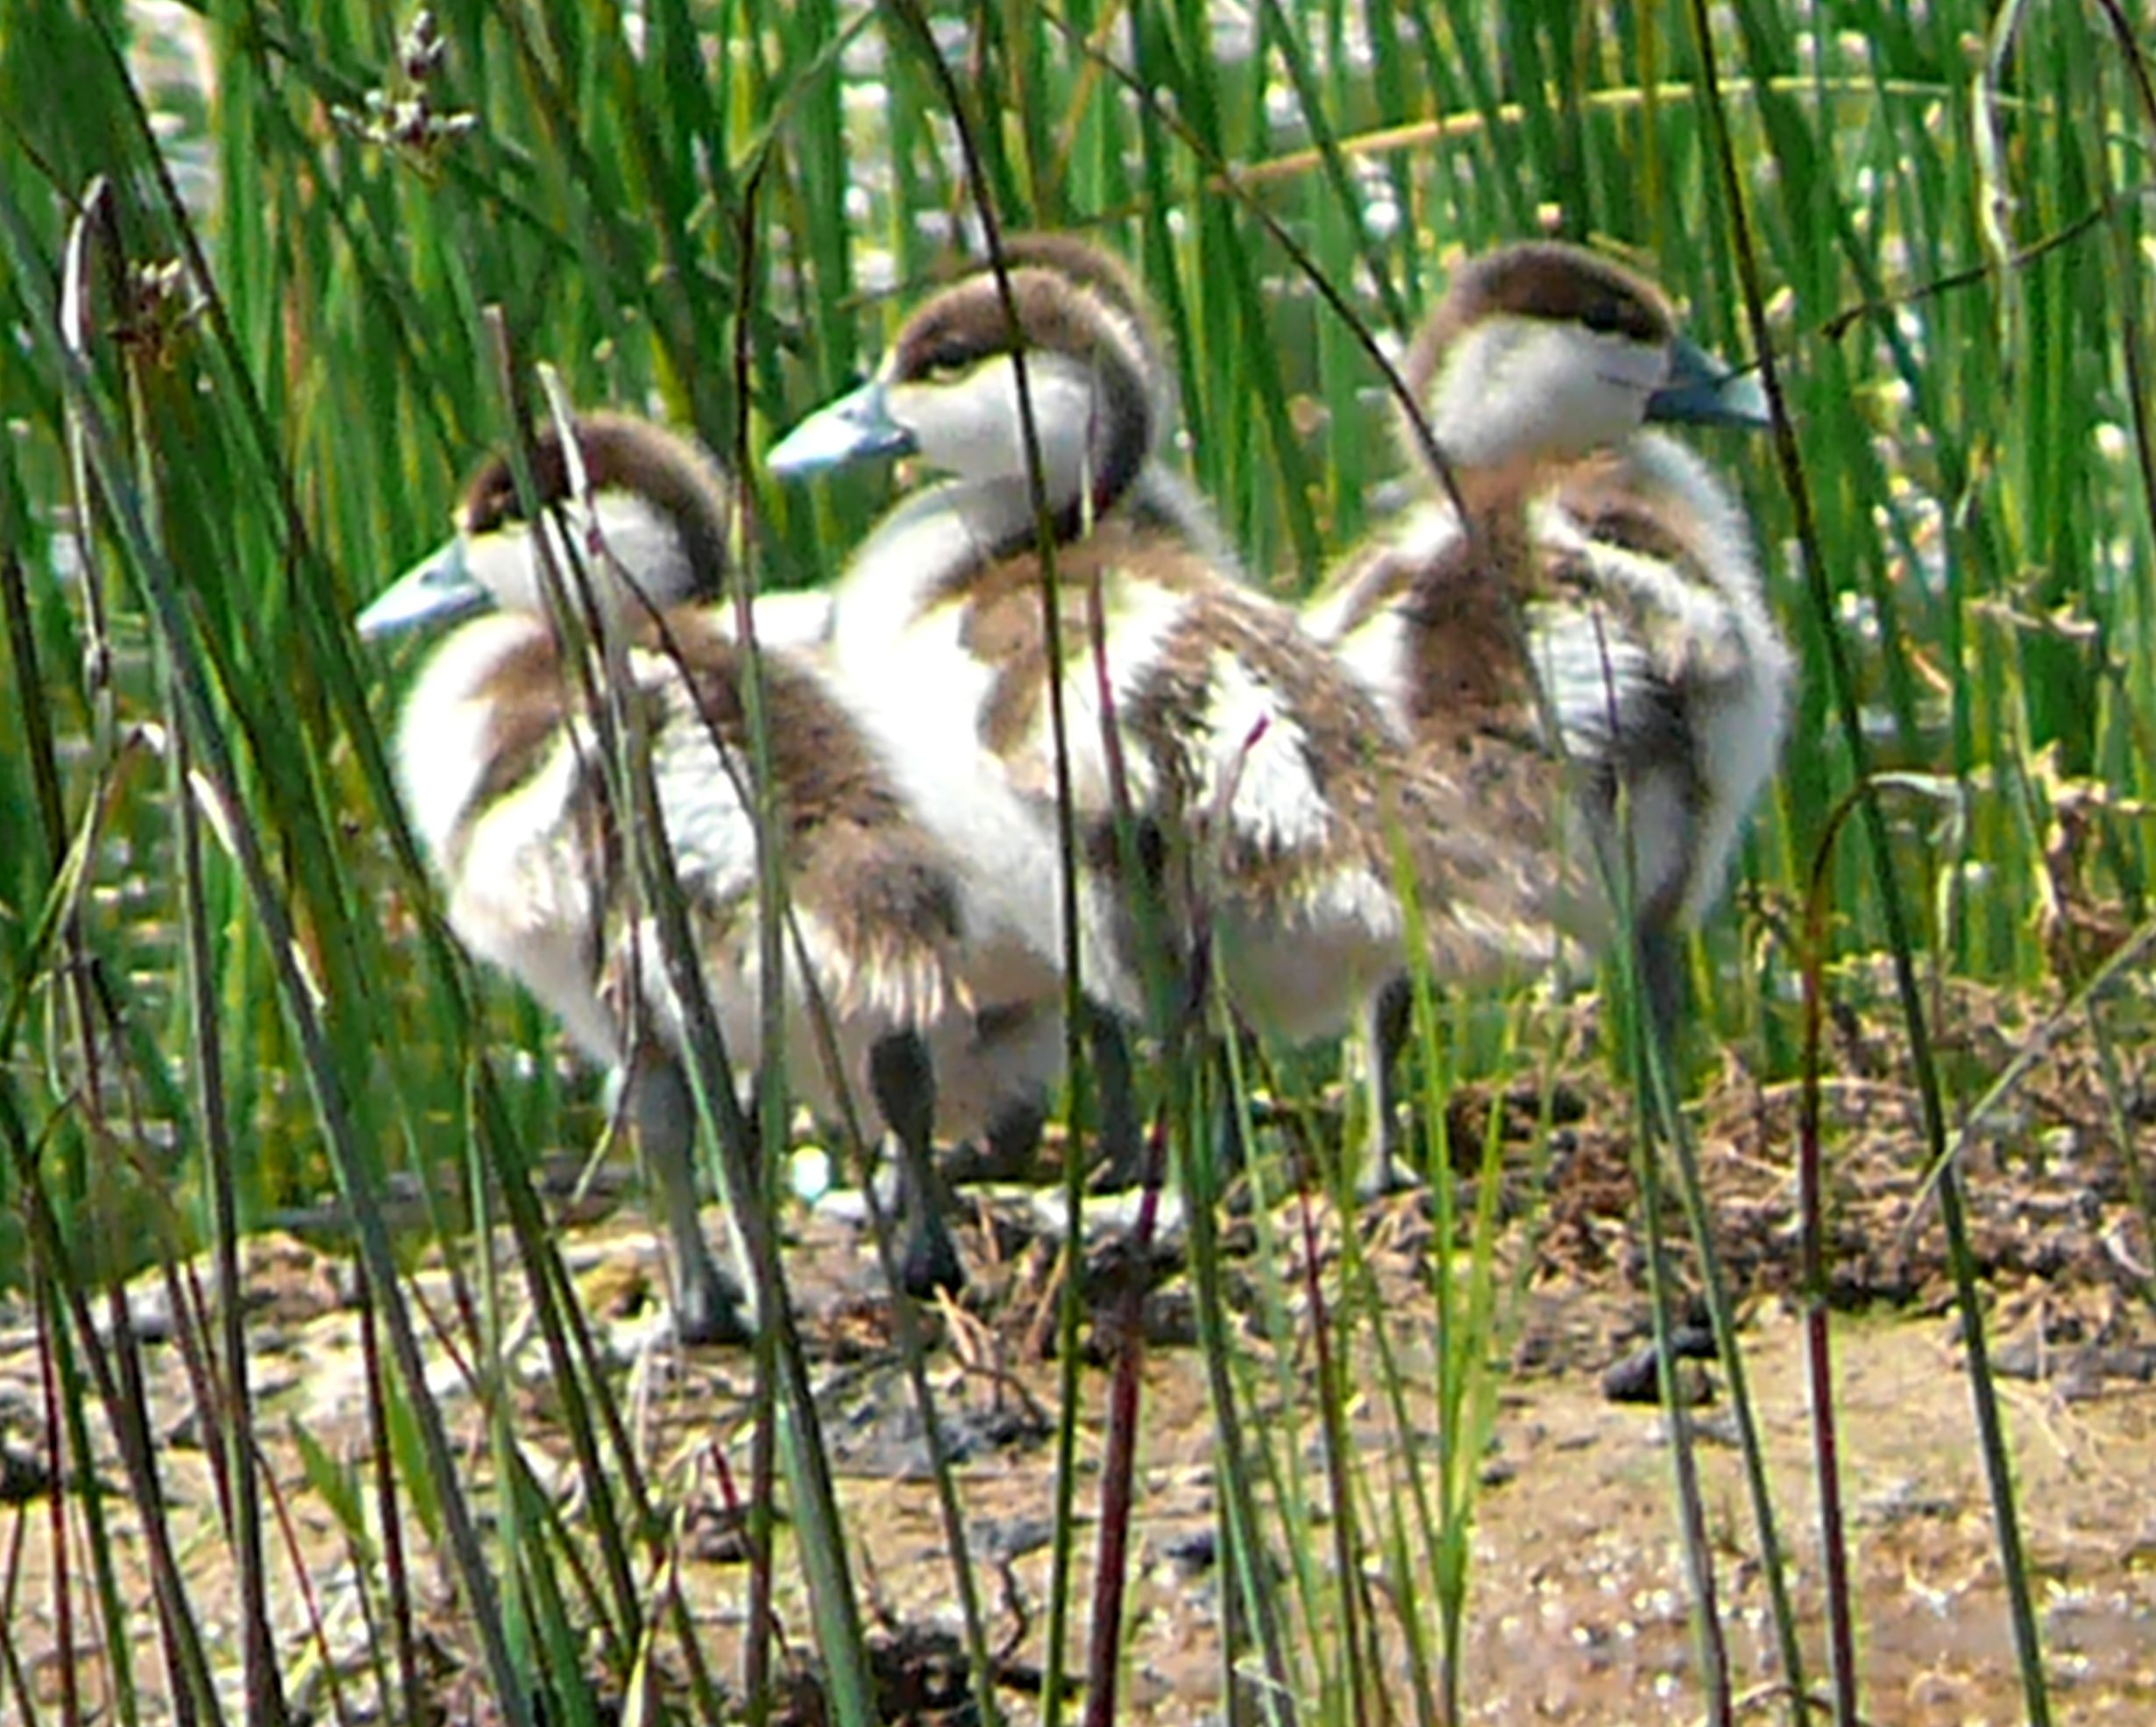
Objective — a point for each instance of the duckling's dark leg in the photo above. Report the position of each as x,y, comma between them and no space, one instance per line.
1115,1085
1010,1147
1386,1018
663,1110
1662,981
904,1083
1231,1152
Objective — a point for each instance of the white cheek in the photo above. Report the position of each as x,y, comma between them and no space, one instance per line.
504,563
1639,367
1626,373
509,561
1464,402
1516,387
638,543
1584,391
642,541
974,428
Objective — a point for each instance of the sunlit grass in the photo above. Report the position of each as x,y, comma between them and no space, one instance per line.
1954,262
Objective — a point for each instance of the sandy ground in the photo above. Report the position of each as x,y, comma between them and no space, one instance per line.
1578,1600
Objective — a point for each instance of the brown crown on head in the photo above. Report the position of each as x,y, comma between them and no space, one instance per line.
1540,279
620,453
1060,291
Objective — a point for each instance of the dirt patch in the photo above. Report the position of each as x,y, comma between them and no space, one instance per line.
1578,1601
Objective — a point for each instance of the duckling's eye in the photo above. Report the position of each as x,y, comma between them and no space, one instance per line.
945,365
492,508
1605,318
503,507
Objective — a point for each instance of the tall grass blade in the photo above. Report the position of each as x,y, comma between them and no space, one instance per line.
161,592
1991,1435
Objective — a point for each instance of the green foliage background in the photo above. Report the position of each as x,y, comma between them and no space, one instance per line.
315,262
1956,276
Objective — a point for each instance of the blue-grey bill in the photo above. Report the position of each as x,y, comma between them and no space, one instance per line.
856,427
1704,391
435,590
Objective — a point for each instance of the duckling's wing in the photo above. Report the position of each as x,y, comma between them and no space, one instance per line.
1501,876
1365,610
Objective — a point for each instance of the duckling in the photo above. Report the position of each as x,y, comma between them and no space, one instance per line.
1267,788
1658,662
501,774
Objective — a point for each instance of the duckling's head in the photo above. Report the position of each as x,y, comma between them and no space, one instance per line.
658,513
1544,352
947,392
